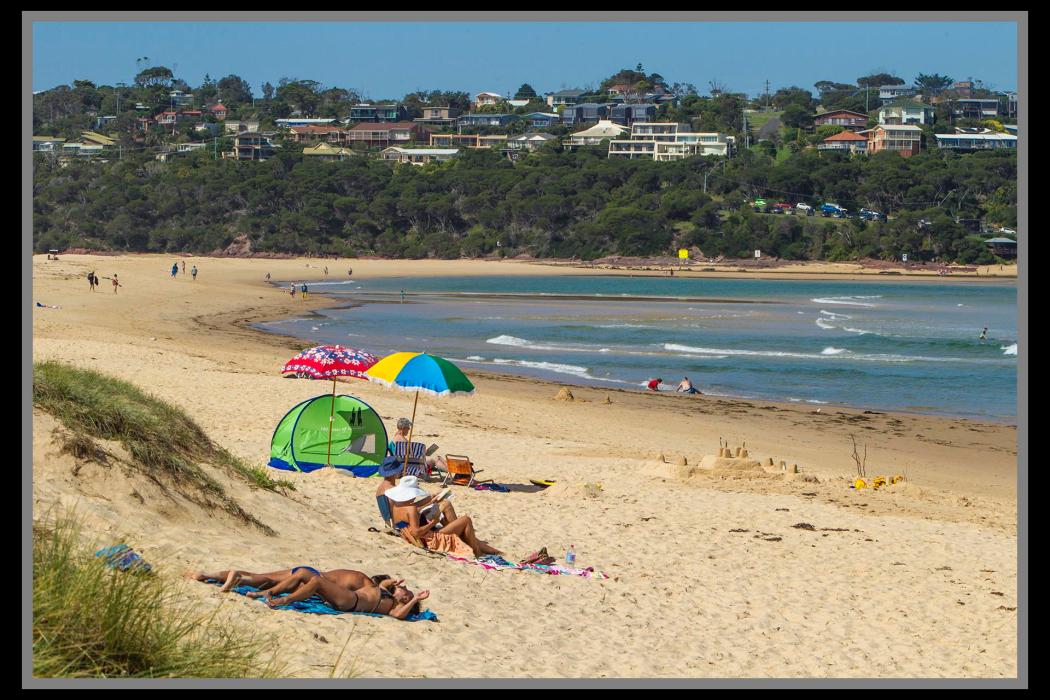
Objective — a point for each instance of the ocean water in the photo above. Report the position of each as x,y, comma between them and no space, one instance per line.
877,345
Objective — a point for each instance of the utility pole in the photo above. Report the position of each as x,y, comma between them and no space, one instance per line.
767,94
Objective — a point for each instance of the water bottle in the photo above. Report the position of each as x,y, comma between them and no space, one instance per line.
570,556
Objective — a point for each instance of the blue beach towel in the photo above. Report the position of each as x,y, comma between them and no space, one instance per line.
317,606
123,557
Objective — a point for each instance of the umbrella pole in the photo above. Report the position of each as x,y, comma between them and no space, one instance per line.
331,420
411,427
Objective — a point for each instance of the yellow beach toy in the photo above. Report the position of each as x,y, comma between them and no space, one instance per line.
860,484
878,481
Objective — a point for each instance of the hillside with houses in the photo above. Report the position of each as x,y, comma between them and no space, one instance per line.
631,165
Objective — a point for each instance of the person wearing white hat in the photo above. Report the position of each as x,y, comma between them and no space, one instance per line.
454,536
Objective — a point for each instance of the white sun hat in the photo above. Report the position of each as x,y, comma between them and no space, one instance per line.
406,490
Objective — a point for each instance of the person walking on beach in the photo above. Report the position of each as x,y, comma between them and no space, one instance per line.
687,386
267,276
654,384
305,291
91,280
325,270
349,272
174,270
184,267
291,290
116,283
194,273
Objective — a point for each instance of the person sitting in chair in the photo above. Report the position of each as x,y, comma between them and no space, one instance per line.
455,535
404,428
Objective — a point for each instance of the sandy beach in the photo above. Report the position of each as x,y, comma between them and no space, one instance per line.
710,574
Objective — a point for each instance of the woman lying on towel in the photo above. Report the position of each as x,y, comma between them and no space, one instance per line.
456,536
286,579
388,598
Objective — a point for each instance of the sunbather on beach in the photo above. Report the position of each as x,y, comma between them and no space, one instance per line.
232,578
347,578
447,537
404,427
399,602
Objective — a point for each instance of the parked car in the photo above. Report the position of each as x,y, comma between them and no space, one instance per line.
872,215
784,208
925,223
802,206
759,205
830,209
1008,230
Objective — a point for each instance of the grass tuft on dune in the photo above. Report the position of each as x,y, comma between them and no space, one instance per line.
165,445
90,621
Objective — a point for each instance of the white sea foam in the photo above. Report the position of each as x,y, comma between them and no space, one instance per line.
834,316
833,351
858,331
476,358
847,301
555,367
825,325
1009,349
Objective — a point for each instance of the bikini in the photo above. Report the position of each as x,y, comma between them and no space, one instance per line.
383,593
306,568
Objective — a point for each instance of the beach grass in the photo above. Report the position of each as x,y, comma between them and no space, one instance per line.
90,621
163,442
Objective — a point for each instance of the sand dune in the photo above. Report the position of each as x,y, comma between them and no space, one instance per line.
710,575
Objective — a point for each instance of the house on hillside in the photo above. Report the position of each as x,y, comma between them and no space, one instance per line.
542,120
845,141
563,98
467,140
439,116
251,145
476,120
974,108
593,136
854,121
379,135
889,93
377,114
301,121
584,113
1003,247
627,114
419,156
178,98
47,144
328,133
218,111
666,141
905,112
487,99
976,142
326,151
905,139
529,142
238,127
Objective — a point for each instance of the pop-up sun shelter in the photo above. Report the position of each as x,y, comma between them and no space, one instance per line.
358,438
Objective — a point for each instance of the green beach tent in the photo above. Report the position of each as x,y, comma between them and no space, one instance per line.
358,438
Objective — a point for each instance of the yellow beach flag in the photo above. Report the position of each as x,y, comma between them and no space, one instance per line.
683,254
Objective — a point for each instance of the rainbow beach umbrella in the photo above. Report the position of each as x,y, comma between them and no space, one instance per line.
420,372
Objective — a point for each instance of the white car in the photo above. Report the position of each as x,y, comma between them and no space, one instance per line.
1008,230
802,206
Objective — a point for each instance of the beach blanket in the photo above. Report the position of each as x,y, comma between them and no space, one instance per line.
494,562
317,606
123,557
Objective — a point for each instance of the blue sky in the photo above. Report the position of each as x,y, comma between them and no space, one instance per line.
389,59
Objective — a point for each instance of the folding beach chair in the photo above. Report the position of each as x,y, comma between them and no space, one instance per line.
417,457
460,471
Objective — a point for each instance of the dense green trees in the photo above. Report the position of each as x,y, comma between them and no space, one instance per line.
553,203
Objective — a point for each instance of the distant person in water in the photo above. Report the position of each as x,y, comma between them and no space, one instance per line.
402,296
291,289
984,334
687,386
304,290
654,384
194,273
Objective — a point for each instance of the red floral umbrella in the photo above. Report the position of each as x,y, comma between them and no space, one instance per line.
330,362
